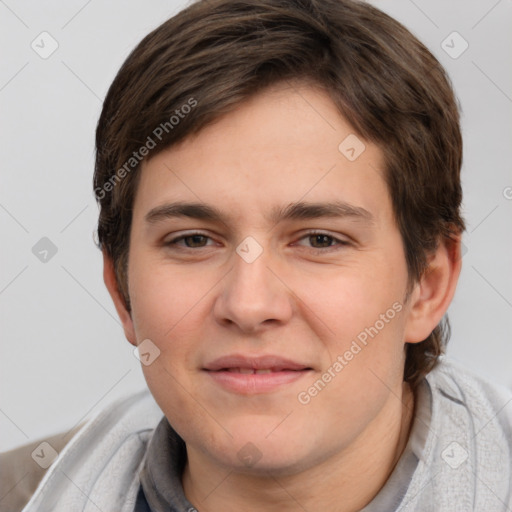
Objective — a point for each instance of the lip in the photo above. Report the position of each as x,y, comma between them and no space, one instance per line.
225,371
272,362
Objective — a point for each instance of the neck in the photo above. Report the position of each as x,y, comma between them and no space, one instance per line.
343,482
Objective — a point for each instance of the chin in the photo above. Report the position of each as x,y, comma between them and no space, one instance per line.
282,464
259,449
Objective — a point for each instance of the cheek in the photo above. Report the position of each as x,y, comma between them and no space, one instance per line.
360,320
364,355
344,302
169,308
166,298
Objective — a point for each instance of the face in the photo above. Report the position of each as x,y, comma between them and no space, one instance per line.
262,244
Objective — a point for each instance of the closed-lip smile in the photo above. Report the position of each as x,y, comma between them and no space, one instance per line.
254,374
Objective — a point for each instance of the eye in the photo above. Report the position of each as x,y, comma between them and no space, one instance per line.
320,240
190,241
314,240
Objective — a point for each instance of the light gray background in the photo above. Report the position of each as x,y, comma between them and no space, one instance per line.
63,353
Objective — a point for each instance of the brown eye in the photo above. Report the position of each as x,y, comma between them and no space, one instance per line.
324,242
195,240
321,241
190,241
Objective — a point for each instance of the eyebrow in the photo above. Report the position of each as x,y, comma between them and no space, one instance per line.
293,211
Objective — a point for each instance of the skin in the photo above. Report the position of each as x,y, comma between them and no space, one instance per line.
304,298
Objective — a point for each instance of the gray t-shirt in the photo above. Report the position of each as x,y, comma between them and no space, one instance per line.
458,456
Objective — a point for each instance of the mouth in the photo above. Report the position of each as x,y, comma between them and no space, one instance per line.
252,370
253,375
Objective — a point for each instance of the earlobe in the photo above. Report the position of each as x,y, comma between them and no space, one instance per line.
109,277
434,292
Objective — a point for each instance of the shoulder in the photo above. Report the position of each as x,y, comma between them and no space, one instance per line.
463,443
90,444
20,474
478,395
472,420
471,399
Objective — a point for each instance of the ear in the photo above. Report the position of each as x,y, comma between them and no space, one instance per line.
109,277
434,292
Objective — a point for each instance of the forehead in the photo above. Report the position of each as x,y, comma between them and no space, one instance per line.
287,144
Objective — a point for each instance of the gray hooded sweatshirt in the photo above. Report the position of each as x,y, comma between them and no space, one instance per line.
458,456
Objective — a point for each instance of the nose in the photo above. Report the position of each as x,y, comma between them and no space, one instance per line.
253,297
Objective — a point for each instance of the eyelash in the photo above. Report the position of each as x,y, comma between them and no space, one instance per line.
339,243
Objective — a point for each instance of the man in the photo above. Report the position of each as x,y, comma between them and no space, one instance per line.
279,190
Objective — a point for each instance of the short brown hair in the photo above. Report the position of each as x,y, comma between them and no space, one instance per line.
217,53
